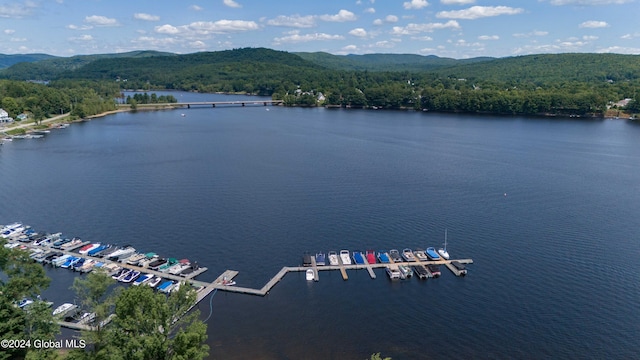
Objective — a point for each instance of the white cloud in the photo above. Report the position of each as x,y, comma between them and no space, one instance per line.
295,37
82,27
359,32
420,28
370,10
476,12
457,2
200,28
350,48
231,3
590,38
530,34
391,19
488,37
146,17
588,2
99,20
153,42
9,31
222,26
384,44
195,8
341,16
378,22
197,44
415,4
293,21
82,38
18,39
620,50
16,10
630,36
593,24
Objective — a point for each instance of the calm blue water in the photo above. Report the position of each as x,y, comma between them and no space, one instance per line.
556,259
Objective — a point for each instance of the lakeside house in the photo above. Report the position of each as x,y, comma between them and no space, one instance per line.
4,117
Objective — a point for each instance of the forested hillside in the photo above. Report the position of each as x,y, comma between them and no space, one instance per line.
563,84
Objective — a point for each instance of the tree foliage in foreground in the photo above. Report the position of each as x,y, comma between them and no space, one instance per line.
146,325
25,279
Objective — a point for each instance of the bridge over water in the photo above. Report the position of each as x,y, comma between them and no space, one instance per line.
208,104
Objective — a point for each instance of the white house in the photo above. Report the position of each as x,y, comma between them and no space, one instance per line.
4,117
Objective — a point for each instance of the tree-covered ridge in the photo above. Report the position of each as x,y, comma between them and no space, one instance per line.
8,60
384,62
563,84
49,67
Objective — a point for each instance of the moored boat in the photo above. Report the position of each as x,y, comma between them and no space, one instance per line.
405,271
420,255
344,257
393,272
462,270
309,275
320,259
64,309
443,251
306,259
395,255
371,256
86,249
434,270
407,255
153,282
166,286
420,271
142,279
432,254
358,258
333,258
132,275
383,257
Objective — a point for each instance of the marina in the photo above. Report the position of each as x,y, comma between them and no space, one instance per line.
124,264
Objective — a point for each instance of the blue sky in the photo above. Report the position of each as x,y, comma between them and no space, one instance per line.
448,28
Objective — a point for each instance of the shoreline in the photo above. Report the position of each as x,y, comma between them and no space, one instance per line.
63,118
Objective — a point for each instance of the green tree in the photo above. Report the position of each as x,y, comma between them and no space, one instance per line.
145,325
24,278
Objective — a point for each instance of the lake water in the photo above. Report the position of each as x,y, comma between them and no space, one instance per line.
547,209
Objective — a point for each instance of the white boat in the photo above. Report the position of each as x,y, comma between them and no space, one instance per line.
345,256
405,271
393,272
443,251
310,276
86,251
135,259
333,258
64,309
154,282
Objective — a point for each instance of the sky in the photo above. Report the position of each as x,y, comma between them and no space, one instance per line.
447,28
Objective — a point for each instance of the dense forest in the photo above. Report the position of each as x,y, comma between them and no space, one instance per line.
550,84
80,98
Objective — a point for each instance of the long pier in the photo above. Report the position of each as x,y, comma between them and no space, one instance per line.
274,280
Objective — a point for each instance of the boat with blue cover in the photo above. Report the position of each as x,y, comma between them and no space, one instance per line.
166,286
96,251
320,259
143,279
383,257
432,254
358,258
